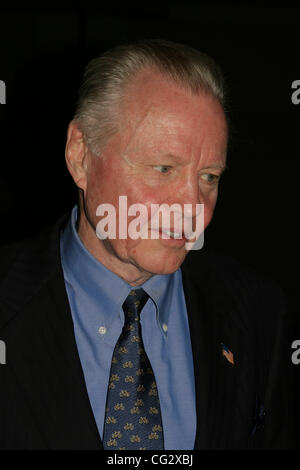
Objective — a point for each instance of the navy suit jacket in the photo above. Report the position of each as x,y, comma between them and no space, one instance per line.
43,398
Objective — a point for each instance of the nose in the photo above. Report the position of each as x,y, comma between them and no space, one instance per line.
189,196
192,200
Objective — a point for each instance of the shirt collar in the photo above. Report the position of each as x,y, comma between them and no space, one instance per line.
82,268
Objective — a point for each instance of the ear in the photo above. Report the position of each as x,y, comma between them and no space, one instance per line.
76,154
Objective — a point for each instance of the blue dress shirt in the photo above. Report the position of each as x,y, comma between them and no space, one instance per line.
96,296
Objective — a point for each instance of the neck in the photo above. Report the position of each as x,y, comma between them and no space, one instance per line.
103,251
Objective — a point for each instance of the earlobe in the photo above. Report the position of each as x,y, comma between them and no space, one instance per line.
75,154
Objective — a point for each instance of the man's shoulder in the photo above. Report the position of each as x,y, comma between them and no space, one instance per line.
25,265
48,233
218,264
26,249
225,276
8,254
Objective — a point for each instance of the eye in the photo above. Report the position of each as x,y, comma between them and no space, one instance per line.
210,178
162,168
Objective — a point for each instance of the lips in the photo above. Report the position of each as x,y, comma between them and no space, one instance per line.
172,233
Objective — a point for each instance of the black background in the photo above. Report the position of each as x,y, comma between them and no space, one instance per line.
42,57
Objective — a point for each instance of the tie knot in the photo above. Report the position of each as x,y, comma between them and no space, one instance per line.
134,303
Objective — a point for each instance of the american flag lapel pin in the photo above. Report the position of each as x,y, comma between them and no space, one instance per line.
227,353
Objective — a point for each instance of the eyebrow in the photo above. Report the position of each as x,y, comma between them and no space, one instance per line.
217,166
177,157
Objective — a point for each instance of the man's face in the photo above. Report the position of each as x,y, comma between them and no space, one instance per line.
171,149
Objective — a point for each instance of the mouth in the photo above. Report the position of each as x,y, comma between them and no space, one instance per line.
170,237
176,234
172,234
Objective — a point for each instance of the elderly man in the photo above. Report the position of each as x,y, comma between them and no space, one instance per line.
119,342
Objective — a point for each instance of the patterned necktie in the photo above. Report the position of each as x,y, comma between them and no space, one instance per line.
133,417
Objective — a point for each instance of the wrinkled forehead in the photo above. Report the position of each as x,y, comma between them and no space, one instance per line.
158,110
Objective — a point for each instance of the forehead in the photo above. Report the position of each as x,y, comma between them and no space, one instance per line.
157,109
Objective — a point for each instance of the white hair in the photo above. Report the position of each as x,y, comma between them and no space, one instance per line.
105,78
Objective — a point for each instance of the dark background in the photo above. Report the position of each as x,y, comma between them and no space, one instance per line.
42,56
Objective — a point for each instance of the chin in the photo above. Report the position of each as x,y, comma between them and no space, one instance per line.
157,262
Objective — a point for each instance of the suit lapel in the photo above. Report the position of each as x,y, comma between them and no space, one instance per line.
213,320
43,353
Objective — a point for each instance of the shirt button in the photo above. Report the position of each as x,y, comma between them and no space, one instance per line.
165,327
102,330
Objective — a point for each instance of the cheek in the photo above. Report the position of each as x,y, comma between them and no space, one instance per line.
207,216
125,249
209,207
138,193
103,187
